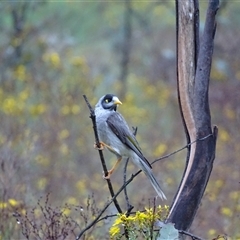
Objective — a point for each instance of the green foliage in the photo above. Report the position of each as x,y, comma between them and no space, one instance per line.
168,232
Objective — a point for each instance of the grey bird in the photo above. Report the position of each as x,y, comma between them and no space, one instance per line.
116,136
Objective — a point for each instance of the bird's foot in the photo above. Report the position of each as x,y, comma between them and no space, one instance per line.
109,173
100,147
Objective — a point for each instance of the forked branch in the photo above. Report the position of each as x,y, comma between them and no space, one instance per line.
193,73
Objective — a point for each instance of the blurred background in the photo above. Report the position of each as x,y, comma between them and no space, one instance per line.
52,53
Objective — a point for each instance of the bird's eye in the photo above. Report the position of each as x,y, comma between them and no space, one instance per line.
106,100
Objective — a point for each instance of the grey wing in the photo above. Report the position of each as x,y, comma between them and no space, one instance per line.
119,127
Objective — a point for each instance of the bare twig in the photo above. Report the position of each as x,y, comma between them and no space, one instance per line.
152,220
129,206
194,237
180,149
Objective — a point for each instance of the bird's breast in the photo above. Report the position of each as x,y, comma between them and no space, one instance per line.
106,136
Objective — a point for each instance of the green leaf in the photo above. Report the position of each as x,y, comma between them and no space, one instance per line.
167,232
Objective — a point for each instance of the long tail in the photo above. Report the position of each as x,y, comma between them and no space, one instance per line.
148,172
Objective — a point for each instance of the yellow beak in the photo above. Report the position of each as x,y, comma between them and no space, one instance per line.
116,101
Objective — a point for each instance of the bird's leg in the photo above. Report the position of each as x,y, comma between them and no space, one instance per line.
110,172
102,145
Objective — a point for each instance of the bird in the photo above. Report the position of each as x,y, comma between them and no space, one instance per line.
115,135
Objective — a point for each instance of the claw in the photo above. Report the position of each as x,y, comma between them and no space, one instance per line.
99,148
109,173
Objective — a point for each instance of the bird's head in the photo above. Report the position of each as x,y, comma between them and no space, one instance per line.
109,102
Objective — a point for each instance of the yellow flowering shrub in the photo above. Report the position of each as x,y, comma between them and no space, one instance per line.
139,224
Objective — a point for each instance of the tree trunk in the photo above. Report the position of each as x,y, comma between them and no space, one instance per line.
193,72
126,48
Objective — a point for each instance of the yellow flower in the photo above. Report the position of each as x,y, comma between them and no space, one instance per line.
226,211
41,184
224,135
118,221
75,109
141,221
23,211
65,110
151,90
230,113
13,202
131,218
211,232
141,215
41,160
66,211
114,230
23,95
160,149
234,195
3,205
64,149
20,73
219,183
149,213
212,197
72,200
81,185
10,105
52,58
63,134
37,109
123,217
78,61
55,59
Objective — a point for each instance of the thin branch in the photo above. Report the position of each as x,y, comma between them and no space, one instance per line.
129,206
106,217
179,150
152,220
194,237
